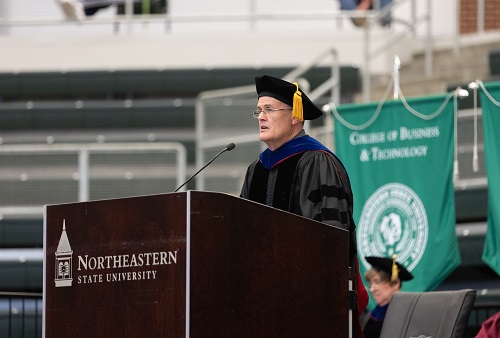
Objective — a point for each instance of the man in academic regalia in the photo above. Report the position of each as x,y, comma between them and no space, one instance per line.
298,174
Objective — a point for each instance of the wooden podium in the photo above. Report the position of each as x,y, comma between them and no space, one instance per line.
192,264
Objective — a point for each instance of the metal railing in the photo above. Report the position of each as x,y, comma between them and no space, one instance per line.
35,175
254,16
223,116
255,13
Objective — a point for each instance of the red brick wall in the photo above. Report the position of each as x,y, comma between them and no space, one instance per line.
468,15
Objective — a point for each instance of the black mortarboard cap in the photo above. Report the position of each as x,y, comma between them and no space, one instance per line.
387,265
288,93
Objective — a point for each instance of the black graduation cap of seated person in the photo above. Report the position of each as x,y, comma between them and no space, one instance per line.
386,264
288,93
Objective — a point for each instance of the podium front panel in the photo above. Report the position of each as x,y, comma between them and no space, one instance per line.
261,272
116,268
193,264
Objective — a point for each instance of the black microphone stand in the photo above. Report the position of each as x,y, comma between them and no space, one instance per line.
229,147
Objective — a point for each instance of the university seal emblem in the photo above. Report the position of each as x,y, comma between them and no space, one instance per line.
393,221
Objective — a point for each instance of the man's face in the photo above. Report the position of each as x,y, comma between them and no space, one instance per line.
276,127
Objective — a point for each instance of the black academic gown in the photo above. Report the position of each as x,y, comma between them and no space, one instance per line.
313,184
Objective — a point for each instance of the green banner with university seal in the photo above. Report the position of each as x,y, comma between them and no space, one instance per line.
400,161
490,102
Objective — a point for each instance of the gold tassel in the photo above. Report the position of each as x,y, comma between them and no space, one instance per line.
298,110
395,271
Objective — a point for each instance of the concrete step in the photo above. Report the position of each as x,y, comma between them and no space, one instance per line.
449,67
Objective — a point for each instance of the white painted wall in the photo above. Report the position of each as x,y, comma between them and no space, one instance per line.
71,46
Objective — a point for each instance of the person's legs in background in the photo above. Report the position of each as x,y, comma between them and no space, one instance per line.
350,5
72,9
360,5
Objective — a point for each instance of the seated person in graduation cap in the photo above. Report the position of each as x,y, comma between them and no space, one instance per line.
298,174
386,277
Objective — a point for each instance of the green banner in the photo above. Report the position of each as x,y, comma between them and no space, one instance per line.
490,97
400,161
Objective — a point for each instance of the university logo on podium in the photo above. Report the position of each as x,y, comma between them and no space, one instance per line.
64,261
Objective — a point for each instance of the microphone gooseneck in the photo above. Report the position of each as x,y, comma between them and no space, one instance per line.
229,147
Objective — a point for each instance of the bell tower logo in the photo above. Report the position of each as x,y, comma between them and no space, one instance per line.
64,261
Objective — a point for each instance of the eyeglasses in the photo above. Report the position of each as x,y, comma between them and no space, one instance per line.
267,111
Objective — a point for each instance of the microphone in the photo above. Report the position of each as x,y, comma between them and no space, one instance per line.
229,147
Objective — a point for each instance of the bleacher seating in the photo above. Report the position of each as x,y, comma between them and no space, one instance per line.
136,84
153,99
124,106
